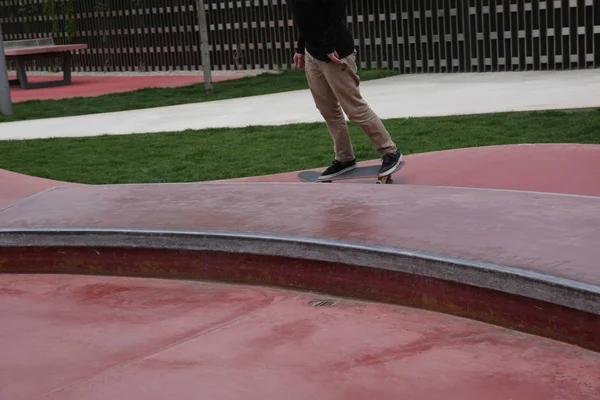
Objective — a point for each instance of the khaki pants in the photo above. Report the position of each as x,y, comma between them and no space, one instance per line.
334,85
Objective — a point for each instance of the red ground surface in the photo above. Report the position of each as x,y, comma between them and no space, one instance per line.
90,338
14,187
90,86
557,168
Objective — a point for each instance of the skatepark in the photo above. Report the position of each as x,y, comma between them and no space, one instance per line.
479,278
472,275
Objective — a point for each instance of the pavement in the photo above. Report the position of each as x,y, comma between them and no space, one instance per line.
396,97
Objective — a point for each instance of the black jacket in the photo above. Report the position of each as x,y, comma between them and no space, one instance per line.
322,28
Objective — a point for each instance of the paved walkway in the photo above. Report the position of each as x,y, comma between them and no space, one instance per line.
396,97
90,338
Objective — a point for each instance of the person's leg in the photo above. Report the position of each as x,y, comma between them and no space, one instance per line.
329,107
345,82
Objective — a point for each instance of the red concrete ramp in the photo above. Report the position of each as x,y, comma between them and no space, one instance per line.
482,225
427,246
556,168
15,187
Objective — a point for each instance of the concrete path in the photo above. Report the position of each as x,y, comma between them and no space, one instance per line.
396,97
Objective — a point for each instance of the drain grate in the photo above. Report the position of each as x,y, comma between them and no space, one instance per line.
322,303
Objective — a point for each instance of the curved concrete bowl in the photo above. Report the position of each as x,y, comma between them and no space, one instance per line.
523,300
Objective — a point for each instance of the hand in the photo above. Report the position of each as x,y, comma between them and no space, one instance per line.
335,57
299,61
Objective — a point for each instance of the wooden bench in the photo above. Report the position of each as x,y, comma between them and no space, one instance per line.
21,51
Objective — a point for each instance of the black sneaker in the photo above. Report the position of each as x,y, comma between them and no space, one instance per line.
391,163
337,168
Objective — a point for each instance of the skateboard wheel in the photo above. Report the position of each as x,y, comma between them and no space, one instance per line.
384,179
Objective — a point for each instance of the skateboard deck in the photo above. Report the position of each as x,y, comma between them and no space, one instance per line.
371,171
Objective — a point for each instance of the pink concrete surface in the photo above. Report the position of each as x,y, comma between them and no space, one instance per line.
75,337
557,168
91,86
15,187
548,233
472,224
59,48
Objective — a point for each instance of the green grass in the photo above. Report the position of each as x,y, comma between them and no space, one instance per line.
266,83
228,153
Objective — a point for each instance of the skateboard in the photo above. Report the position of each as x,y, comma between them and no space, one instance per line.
371,171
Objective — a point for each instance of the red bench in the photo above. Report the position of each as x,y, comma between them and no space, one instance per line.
21,51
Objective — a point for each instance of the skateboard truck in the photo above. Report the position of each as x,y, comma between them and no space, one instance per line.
384,179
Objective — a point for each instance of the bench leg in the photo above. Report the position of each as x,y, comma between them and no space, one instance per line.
24,82
67,68
21,74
